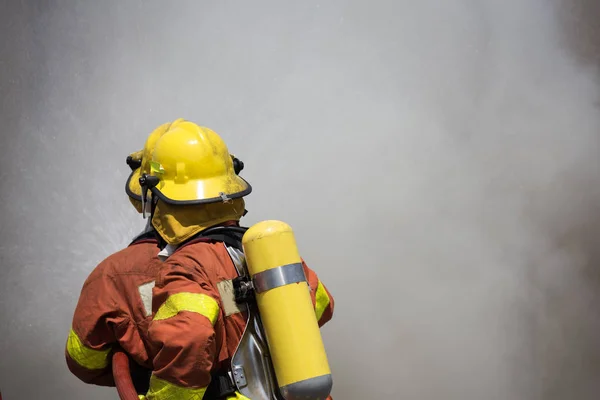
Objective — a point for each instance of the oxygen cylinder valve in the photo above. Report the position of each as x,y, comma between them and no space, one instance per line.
243,289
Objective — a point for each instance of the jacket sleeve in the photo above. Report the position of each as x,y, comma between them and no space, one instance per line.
182,334
322,299
92,334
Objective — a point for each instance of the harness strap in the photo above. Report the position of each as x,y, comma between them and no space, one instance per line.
230,235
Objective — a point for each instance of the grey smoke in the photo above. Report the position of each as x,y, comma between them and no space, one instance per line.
437,160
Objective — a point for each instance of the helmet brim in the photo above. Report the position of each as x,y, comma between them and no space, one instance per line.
132,185
204,191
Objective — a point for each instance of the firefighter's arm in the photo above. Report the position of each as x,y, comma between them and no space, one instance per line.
91,337
321,298
181,333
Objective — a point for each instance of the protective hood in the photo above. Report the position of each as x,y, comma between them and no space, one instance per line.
177,223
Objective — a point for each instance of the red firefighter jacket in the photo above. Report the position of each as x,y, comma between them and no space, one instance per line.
195,331
114,308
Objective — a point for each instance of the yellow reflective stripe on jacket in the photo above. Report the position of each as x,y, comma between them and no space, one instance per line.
84,356
163,390
322,301
237,396
193,302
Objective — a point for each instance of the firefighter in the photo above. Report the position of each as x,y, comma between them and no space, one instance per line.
115,303
197,203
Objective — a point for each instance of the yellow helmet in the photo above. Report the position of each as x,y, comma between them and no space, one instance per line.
192,165
139,162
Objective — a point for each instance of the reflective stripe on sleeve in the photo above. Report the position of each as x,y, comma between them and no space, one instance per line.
193,302
84,356
322,301
163,390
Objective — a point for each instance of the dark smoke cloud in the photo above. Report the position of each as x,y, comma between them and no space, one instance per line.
579,19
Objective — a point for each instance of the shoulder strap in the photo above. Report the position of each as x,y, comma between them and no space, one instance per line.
230,235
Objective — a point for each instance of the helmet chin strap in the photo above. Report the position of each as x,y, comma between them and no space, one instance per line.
144,201
147,210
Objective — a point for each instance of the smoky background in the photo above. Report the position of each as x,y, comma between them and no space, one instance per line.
438,161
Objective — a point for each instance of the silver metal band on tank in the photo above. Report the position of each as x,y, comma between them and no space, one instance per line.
278,276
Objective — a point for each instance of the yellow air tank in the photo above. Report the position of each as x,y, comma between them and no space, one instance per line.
287,312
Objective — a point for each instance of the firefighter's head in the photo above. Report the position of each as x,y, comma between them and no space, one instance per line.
139,162
194,182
